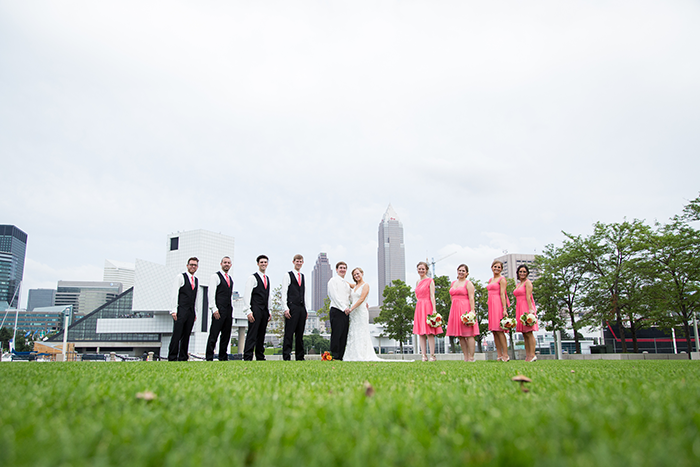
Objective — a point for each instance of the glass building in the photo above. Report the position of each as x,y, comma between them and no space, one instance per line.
39,298
13,248
391,254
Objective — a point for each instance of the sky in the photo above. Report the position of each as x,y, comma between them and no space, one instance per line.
489,126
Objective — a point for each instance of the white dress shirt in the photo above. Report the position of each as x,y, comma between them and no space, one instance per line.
249,286
339,293
285,288
214,281
179,282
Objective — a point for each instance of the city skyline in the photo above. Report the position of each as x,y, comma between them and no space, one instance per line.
292,128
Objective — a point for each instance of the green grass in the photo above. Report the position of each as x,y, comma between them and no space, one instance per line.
587,413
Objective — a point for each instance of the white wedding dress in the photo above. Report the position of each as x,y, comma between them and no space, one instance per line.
359,345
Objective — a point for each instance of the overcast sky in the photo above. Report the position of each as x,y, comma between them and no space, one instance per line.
291,125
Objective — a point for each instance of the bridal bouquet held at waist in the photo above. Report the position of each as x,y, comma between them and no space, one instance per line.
528,319
435,320
469,318
508,323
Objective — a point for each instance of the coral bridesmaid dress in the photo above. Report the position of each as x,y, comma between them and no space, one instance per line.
460,305
424,307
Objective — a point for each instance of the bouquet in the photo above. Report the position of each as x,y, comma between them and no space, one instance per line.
469,318
508,323
326,356
435,320
528,319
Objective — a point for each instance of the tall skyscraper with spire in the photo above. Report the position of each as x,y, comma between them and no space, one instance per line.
320,276
13,248
391,255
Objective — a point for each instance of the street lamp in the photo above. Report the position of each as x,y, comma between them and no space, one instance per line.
68,312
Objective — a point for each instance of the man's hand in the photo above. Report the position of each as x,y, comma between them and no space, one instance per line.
347,311
251,318
216,314
287,314
174,316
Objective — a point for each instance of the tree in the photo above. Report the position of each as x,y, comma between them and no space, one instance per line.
324,312
692,211
21,343
608,258
443,301
277,313
316,342
397,312
674,266
559,288
481,303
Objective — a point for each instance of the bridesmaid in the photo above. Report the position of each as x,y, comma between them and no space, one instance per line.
462,294
524,303
498,302
425,294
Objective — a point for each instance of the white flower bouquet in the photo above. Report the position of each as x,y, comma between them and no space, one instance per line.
469,318
508,323
435,320
528,319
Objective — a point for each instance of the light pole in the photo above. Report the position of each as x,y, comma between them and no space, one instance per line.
68,311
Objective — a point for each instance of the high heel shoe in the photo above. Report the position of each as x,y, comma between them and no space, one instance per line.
534,359
425,358
498,359
433,358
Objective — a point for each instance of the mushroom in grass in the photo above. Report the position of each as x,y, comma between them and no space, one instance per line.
522,380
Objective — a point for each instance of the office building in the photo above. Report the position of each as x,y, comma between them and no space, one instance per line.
13,249
391,254
40,298
86,296
320,276
118,271
41,321
511,261
139,320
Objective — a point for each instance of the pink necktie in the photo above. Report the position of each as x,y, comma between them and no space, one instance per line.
228,282
299,278
192,281
265,280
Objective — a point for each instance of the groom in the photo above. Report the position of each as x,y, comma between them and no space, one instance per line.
339,293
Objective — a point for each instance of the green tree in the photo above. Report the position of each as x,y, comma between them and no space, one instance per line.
673,264
481,303
324,312
443,301
315,342
692,211
397,312
21,344
608,256
559,289
277,313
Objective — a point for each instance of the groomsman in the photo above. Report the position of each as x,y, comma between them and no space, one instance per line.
184,316
339,293
258,301
221,308
293,298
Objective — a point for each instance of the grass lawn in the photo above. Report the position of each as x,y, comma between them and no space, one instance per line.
578,413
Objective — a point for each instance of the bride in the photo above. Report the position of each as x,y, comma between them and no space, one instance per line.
359,347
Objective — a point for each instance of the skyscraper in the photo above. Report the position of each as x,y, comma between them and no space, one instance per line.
39,298
320,276
13,248
391,254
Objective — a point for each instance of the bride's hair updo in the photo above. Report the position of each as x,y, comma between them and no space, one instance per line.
352,274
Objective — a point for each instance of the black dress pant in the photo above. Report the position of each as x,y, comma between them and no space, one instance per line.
180,341
223,326
294,327
340,322
255,337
